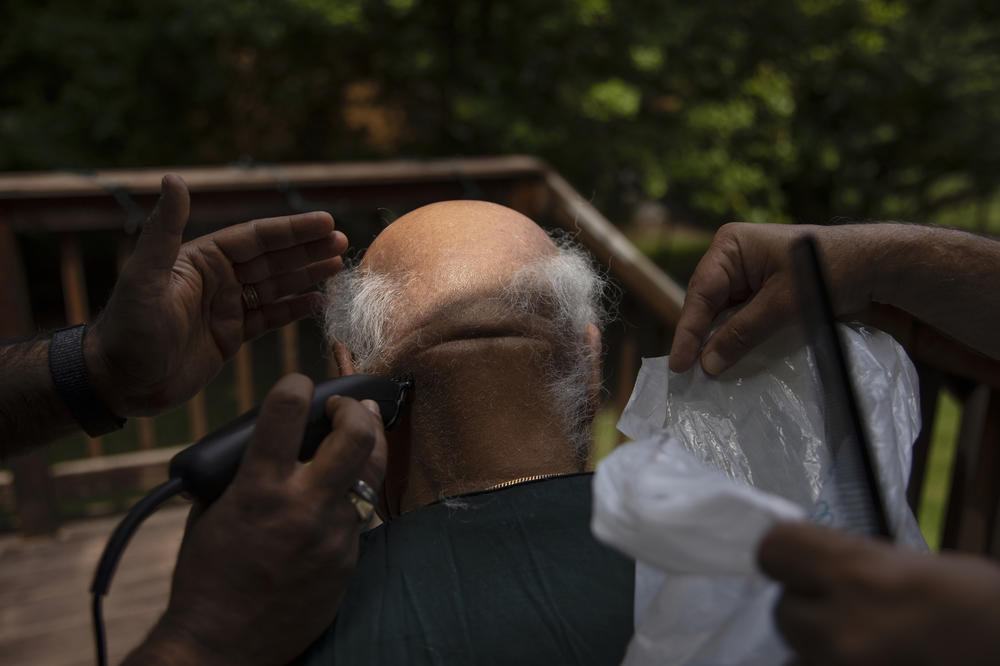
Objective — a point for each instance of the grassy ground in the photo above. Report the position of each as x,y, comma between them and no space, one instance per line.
606,436
937,480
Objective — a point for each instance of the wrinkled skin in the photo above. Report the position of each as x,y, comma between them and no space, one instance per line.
176,313
262,570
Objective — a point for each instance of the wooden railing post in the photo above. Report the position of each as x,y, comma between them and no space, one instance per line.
991,441
930,390
290,347
32,477
74,284
628,366
983,490
244,378
197,416
962,530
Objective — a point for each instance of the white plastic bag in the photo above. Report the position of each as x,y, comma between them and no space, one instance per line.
716,462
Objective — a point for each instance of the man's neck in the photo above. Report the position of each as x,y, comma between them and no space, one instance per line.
481,416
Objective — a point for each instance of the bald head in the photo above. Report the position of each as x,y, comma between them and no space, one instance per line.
463,284
453,253
472,236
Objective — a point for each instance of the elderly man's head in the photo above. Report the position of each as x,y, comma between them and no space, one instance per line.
451,286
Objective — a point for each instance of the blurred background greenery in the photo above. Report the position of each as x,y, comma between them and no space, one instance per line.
778,110
672,117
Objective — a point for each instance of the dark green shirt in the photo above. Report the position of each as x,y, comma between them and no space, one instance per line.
510,576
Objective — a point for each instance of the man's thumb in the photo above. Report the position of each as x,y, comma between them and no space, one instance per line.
747,328
160,240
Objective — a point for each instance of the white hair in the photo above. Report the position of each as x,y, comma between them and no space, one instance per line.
564,287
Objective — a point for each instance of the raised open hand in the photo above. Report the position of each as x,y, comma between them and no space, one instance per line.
178,312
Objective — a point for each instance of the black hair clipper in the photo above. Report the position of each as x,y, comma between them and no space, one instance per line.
207,466
204,469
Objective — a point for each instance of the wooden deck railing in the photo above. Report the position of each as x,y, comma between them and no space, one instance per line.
66,206
115,203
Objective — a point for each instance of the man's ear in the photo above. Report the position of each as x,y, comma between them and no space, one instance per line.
398,441
592,338
345,361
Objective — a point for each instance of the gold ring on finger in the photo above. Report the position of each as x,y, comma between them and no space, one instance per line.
251,299
365,509
364,499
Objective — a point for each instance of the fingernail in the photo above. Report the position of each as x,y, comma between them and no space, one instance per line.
713,363
373,407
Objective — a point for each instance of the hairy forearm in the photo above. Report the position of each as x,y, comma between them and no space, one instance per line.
31,411
943,277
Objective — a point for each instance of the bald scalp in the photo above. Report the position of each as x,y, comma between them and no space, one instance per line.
449,253
463,230
460,276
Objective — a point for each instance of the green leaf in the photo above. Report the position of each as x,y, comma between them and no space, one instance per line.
610,99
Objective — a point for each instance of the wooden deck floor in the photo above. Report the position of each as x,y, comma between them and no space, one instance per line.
45,598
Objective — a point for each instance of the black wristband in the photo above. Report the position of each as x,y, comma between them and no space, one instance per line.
69,374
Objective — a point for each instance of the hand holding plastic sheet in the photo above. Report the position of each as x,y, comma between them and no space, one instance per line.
716,463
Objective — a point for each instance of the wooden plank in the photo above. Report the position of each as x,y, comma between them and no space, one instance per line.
115,198
289,343
89,478
931,381
74,282
15,301
928,345
43,590
146,431
197,416
33,492
628,370
30,480
991,440
220,207
243,370
638,273
124,473
964,530
7,491
531,198
47,185
935,348
984,492
74,285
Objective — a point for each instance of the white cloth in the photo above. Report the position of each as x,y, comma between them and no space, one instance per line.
716,462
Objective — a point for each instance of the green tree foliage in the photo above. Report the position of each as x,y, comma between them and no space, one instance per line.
763,109
120,83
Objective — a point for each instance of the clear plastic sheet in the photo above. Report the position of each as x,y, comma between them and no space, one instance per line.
716,462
